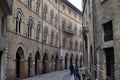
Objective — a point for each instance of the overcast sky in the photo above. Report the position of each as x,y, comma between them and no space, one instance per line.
77,3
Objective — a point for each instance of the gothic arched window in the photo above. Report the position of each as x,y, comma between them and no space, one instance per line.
45,11
52,36
38,32
45,34
18,22
30,25
64,42
30,3
37,6
51,16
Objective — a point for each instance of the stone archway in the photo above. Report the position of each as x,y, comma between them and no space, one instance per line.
20,63
30,65
71,59
81,60
56,62
52,63
66,61
37,59
45,63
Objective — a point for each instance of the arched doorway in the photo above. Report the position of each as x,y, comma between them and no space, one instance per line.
66,62
19,63
30,65
76,61
52,63
44,66
71,59
37,58
81,61
56,62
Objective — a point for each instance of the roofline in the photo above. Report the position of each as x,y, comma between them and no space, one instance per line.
72,6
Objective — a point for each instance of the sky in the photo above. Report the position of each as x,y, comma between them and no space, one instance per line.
77,3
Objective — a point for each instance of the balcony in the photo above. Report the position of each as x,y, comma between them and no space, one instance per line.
7,6
68,31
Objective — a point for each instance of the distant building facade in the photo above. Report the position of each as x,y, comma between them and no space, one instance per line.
43,36
105,27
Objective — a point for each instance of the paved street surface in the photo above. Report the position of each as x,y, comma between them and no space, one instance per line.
58,75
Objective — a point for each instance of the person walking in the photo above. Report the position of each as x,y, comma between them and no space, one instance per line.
71,69
83,70
76,74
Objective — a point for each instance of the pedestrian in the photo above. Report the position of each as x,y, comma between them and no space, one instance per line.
83,70
71,69
76,73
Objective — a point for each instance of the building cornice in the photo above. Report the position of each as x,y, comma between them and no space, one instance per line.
72,6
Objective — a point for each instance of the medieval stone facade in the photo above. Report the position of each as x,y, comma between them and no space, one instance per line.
42,36
5,10
106,37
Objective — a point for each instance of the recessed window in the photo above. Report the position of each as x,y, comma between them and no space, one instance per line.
63,7
30,25
45,9
108,31
75,15
38,32
45,34
18,22
30,3
51,16
69,11
37,6
52,37
64,42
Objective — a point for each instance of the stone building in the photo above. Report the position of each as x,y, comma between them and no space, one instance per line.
88,37
42,36
5,10
106,38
